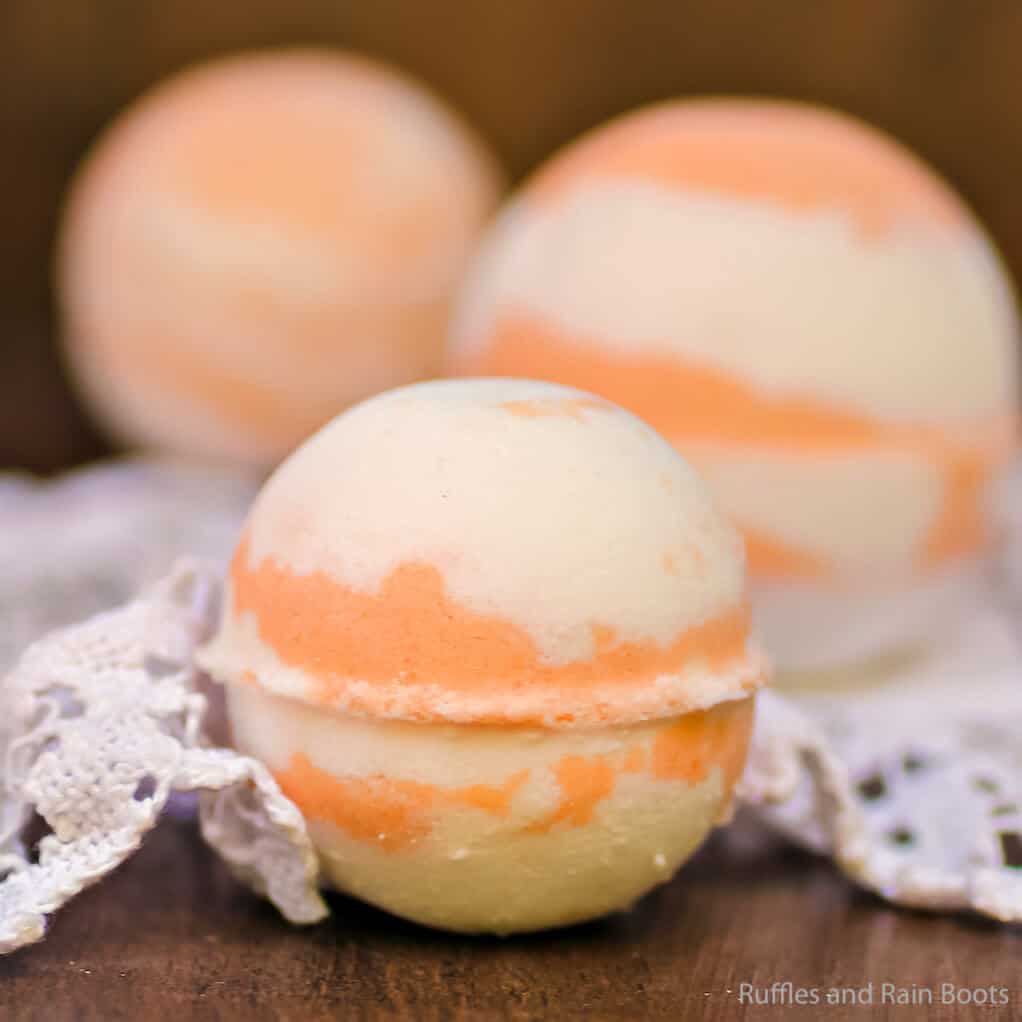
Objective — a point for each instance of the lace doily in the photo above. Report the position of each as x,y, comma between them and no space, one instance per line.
104,722
93,538
913,784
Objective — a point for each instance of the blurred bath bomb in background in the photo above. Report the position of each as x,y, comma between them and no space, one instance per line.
491,636
261,241
807,312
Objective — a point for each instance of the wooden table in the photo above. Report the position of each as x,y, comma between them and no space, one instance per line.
173,936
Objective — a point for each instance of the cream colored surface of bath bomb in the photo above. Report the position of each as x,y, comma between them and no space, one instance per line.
261,241
491,638
808,313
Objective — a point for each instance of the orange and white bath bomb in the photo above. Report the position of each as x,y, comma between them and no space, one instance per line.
491,638
262,241
809,314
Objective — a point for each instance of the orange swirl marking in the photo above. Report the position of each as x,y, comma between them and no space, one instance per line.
491,798
585,782
390,813
696,742
236,400
395,814
706,405
793,157
960,528
768,557
410,632
566,407
687,750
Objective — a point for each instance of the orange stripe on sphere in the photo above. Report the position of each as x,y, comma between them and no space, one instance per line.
491,798
768,557
584,782
395,815
698,741
564,407
391,813
961,527
410,631
268,415
791,156
703,404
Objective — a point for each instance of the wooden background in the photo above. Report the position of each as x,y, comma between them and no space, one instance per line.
943,75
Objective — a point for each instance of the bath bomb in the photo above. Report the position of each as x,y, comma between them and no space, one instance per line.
491,637
810,315
262,241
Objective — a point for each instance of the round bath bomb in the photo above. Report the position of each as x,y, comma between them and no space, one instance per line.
491,638
810,315
262,241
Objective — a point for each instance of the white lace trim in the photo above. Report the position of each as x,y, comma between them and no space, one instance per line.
104,722
930,821
94,538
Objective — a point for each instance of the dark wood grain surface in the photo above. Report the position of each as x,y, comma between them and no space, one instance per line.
172,936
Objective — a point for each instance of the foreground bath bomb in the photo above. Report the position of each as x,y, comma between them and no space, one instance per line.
262,241
491,638
809,314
